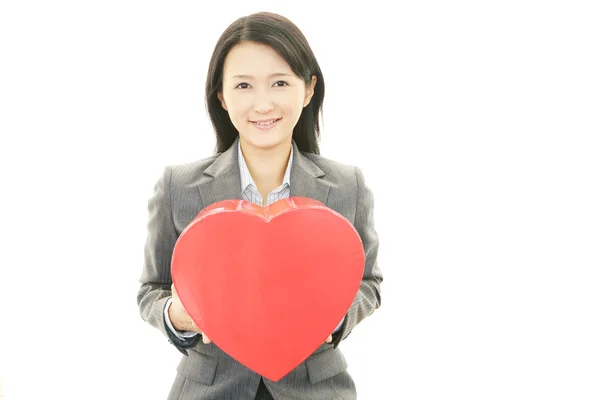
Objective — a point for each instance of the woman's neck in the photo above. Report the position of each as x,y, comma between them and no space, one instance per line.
267,166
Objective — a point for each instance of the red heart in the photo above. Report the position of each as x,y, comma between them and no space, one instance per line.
268,285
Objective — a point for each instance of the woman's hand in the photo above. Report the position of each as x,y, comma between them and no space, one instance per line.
180,319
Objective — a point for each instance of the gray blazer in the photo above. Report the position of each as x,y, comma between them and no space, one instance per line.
180,194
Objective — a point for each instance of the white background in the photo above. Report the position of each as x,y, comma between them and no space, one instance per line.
476,125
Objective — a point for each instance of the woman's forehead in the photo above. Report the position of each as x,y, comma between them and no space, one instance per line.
255,61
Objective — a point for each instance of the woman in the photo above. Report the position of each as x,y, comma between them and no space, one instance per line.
264,94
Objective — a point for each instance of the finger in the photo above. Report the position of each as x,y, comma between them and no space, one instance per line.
173,291
329,339
205,339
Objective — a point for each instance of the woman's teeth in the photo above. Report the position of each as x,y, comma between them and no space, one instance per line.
266,123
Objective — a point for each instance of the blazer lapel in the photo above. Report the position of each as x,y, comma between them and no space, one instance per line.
306,179
221,180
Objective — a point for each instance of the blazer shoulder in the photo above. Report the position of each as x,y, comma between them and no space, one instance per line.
335,171
190,172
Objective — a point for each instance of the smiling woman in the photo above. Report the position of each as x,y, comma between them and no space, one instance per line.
263,65
264,94
264,102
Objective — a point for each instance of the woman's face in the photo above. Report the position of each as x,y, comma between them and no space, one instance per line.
262,95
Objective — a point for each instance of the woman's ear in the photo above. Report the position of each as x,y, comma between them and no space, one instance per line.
310,91
222,100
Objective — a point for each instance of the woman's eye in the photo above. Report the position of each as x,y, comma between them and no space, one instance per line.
244,85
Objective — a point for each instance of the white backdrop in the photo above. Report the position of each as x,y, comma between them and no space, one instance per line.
476,125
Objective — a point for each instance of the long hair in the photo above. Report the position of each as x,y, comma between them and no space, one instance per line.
288,41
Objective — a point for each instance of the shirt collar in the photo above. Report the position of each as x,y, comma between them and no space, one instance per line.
245,176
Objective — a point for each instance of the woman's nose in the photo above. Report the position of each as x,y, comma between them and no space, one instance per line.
263,103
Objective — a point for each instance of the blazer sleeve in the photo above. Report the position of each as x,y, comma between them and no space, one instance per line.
368,298
155,279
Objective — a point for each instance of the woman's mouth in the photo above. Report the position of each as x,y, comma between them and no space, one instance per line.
266,124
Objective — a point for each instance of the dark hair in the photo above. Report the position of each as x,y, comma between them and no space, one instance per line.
286,39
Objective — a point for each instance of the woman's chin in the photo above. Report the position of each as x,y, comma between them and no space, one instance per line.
266,141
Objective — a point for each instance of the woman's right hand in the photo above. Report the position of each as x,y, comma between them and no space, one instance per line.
180,319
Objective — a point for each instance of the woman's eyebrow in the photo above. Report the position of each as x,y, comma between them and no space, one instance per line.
270,76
